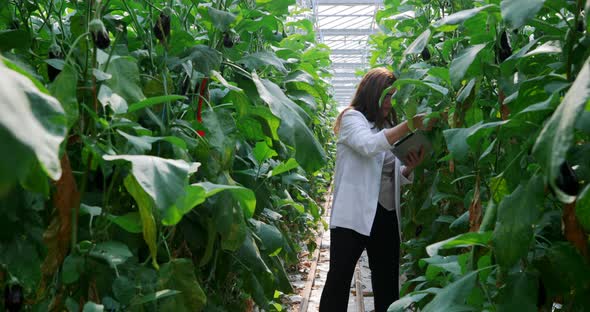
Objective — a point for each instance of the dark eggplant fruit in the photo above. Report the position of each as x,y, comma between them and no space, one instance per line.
54,53
100,36
228,42
505,48
13,297
162,27
567,180
425,54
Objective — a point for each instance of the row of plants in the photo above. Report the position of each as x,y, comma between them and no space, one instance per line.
498,218
158,155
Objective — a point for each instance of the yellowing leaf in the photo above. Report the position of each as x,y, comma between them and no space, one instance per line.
145,205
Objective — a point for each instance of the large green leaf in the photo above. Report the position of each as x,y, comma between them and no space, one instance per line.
179,274
293,130
272,239
463,61
405,302
65,90
418,45
164,180
114,253
14,39
250,254
406,81
243,195
146,213
462,16
583,208
460,139
203,57
220,19
259,60
452,298
516,215
459,241
517,12
290,164
32,125
125,79
154,101
519,294
558,133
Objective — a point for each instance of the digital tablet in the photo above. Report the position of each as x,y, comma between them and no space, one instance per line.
411,142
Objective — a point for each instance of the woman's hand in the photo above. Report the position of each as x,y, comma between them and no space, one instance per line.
412,161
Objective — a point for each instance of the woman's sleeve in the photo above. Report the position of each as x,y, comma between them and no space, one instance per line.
403,179
355,133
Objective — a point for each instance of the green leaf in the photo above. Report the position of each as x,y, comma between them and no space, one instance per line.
149,102
583,208
65,90
107,97
284,167
519,294
148,224
276,7
194,196
460,139
72,266
405,81
179,274
517,213
557,135
164,180
125,79
32,125
259,60
262,152
93,307
463,61
461,16
243,195
300,76
293,130
204,58
462,240
144,143
14,39
418,45
405,302
114,253
130,222
452,297
158,295
272,239
221,19
518,12
250,254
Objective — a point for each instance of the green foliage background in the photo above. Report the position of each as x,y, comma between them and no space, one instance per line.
197,161
509,82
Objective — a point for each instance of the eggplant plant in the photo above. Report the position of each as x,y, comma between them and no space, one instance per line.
147,164
498,218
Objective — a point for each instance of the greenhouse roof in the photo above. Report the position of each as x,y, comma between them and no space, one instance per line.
345,26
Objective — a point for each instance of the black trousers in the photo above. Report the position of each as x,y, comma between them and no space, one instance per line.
346,247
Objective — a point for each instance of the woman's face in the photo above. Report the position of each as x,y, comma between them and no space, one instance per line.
386,105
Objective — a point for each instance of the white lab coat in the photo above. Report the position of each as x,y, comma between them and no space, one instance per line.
359,160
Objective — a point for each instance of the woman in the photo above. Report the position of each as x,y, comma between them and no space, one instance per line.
367,180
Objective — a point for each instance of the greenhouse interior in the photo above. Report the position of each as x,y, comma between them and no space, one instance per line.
295,155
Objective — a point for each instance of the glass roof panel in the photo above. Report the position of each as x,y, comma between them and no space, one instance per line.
345,26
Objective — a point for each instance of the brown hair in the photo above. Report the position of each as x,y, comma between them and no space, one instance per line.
366,98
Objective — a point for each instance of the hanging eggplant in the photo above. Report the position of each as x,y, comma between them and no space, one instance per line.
99,33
